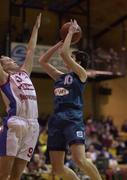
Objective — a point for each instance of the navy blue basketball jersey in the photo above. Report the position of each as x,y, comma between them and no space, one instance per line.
66,126
68,91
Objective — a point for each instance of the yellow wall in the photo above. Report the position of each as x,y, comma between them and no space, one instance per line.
116,103
88,103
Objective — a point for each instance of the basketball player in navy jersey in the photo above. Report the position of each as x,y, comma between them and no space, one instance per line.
20,127
66,127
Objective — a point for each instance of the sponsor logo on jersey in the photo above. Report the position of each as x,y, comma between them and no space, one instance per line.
25,97
22,85
61,92
79,134
25,86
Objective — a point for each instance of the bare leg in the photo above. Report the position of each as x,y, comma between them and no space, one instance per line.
57,161
17,170
6,163
78,155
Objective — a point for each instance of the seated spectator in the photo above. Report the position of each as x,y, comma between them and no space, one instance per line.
37,166
90,127
124,157
43,140
92,153
69,162
113,148
106,139
124,126
113,163
121,146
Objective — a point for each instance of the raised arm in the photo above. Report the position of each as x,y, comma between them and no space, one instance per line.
66,53
28,63
44,61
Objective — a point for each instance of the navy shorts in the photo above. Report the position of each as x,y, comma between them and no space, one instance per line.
63,132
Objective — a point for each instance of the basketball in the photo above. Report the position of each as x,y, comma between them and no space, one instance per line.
64,30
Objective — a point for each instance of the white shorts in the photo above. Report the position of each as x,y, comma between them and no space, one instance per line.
19,138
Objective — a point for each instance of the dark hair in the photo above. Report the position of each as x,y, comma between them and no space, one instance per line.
82,57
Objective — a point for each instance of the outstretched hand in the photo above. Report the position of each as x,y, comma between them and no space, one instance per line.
74,27
38,21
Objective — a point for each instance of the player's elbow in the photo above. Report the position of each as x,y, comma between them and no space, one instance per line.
63,54
40,60
64,51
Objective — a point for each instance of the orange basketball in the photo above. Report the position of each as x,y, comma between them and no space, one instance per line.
64,30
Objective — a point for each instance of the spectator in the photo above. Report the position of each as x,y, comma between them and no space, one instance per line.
124,126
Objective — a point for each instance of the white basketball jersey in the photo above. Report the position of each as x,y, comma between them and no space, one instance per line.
19,96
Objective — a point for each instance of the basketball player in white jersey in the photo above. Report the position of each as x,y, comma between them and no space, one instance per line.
20,127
